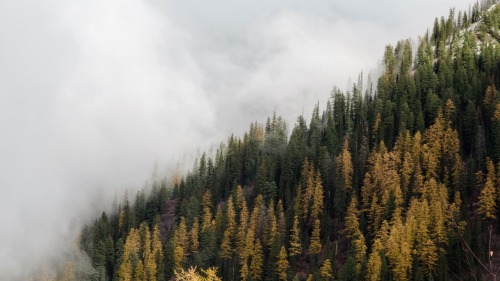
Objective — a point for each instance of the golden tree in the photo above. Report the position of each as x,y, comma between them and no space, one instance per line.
295,245
257,261
282,264
374,266
315,245
69,273
326,271
488,196
139,272
194,236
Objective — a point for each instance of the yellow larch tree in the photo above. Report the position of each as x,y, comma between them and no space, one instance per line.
374,265
242,228
282,264
139,273
69,273
326,271
398,251
225,247
281,220
230,217
125,271
194,236
207,219
295,245
271,225
345,160
244,271
178,257
181,235
206,200
229,232
315,244
488,196
317,202
191,274
352,218
257,261
308,184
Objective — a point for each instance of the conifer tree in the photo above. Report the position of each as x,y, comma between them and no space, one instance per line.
181,236
178,258
225,247
295,245
317,204
398,251
194,236
257,261
69,273
242,228
351,219
125,271
488,195
271,225
374,266
315,244
139,271
282,264
326,271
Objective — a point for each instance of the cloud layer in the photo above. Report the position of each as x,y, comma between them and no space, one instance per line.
93,93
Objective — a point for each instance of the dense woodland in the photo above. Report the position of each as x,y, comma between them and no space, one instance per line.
398,181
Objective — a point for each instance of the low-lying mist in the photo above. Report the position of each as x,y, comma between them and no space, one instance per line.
94,93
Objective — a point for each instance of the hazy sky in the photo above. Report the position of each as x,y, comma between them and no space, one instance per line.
93,93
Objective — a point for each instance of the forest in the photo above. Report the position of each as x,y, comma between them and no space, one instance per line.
397,179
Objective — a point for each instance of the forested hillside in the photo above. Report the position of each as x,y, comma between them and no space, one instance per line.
398,181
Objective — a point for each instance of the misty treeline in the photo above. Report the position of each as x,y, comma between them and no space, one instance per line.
394,182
